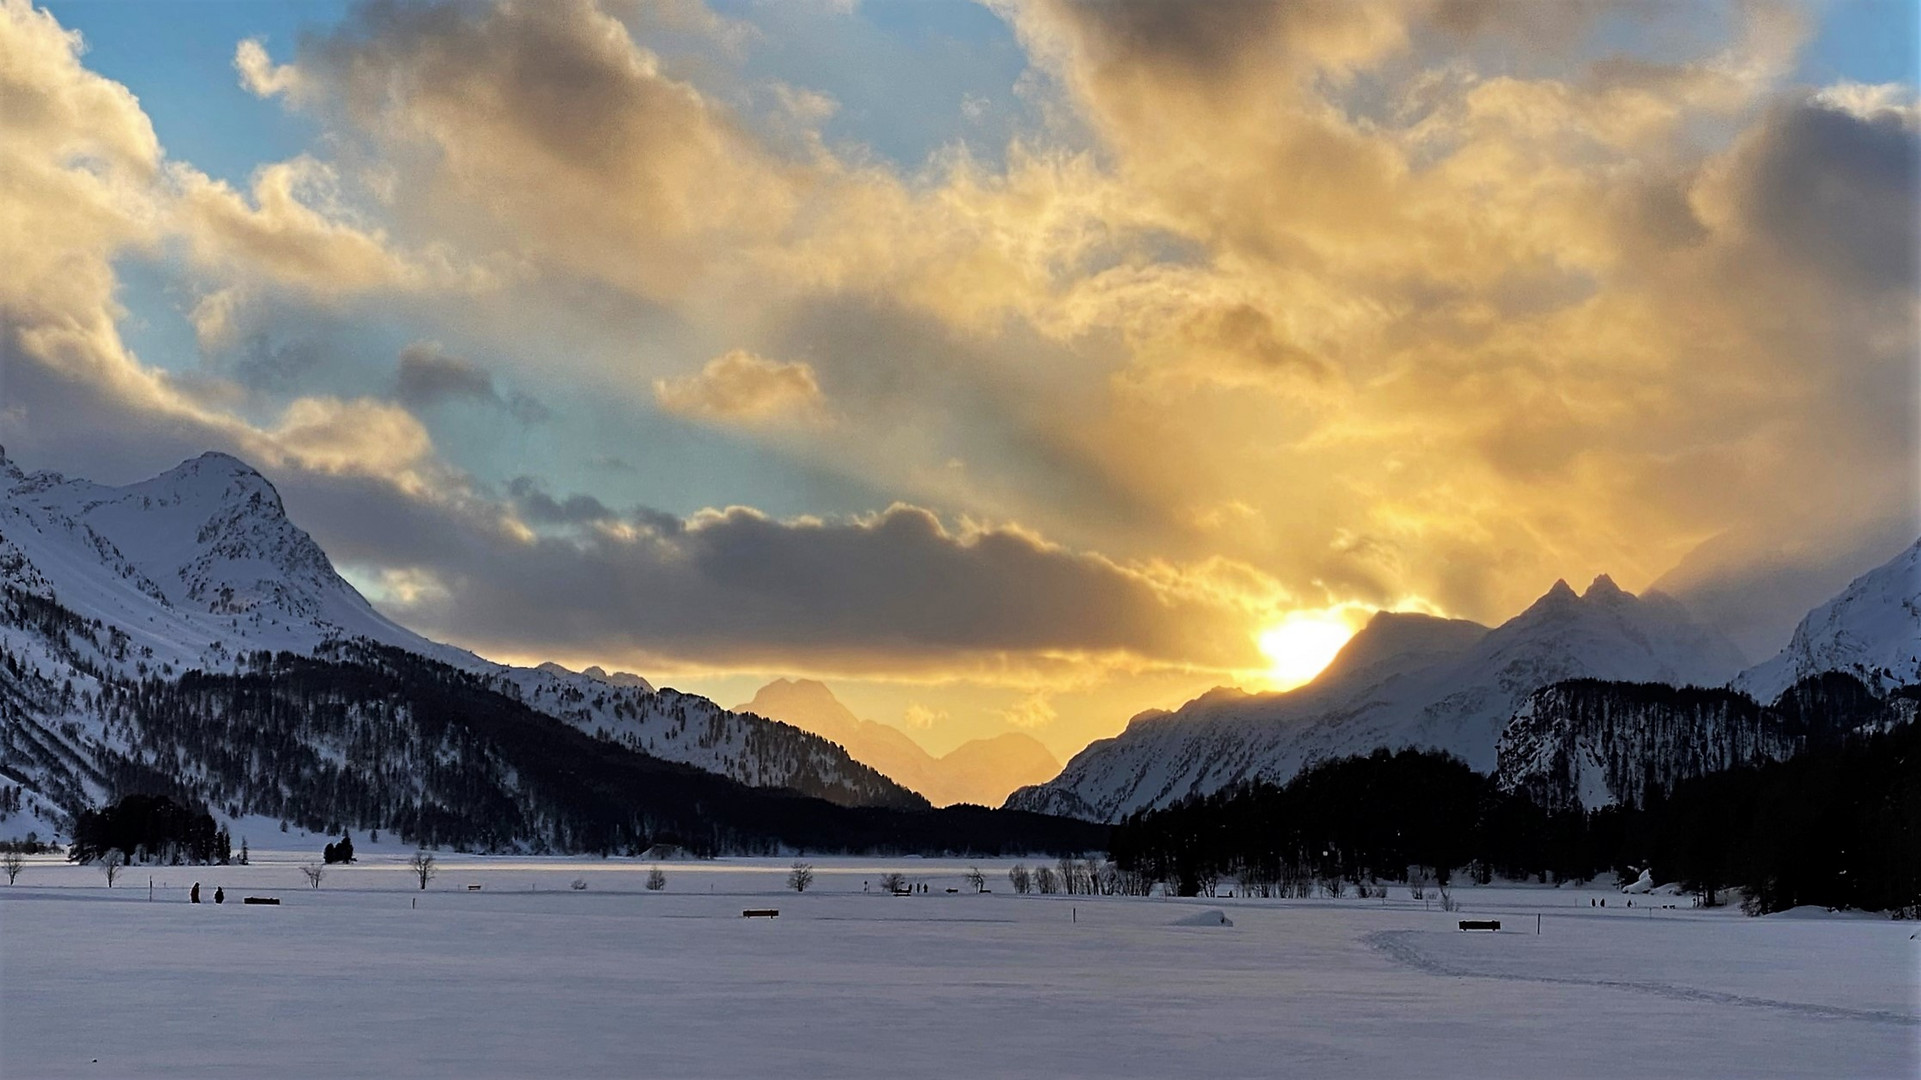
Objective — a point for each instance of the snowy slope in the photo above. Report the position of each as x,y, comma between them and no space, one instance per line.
200,565
1872,631
1404,680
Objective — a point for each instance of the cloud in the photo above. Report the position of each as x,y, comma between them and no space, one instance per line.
537,112
740,387
259,74
428,376
1827,183
280,232
533,502
1031,711
920,717
894,591
1270,304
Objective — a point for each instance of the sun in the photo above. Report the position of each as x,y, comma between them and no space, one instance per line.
1302,644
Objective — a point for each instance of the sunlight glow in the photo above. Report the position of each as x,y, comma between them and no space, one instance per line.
1301,644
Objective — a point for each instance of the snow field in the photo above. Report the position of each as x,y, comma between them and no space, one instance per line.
369,976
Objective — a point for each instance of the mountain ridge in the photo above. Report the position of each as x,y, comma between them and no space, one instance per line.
1404,680
199,567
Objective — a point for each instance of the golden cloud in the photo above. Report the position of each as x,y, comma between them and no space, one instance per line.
739,387
1296,304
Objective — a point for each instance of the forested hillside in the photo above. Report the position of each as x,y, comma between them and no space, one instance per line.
375,737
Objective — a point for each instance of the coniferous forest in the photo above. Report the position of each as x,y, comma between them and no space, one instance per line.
1837,826
150,828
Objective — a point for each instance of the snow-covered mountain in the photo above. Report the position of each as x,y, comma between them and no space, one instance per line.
1854,663
1872,631
1404,680
979,771
199,567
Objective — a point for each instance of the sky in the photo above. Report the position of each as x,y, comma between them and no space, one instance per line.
1012,366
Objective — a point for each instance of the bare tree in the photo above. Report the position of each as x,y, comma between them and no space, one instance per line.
1091,876
314,872
1048,881
894,881
975,878
1448,903
656,880
422,864
801,876
110,864
1021,879
12,862
1134,883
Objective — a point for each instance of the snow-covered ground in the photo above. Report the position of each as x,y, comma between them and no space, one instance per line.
368,976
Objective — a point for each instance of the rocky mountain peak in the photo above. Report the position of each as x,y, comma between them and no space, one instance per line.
1603,589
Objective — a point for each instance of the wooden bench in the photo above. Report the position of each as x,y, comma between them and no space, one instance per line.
260,900
1480,924
760,913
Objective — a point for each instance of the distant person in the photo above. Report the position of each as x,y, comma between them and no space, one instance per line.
219,895
195,895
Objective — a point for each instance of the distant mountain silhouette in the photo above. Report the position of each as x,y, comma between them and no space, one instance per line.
981,771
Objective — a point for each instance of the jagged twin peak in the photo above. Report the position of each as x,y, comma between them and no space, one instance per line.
1854,663
1404,680
200,565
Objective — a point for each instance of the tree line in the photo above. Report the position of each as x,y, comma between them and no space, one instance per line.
1837,826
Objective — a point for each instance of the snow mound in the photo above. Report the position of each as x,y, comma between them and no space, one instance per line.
1210,917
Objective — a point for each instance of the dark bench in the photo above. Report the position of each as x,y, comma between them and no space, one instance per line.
1480,924
760,913
261,900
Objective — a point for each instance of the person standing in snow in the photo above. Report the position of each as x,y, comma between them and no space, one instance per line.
219,895
195,895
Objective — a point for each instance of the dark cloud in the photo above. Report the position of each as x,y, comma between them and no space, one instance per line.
1836,191
895,590
1205,42
268,365
536,505
427,376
